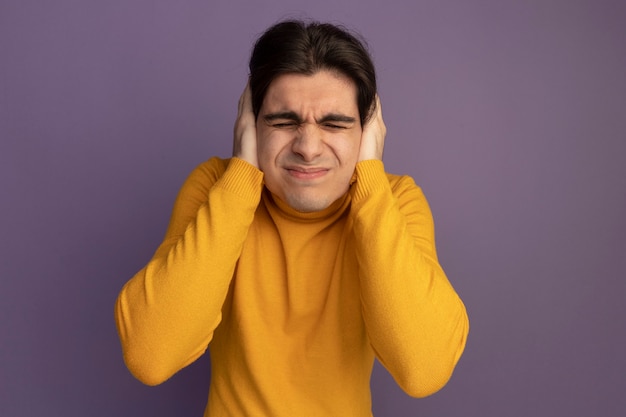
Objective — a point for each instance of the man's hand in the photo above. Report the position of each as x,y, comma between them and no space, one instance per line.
373,136
244,142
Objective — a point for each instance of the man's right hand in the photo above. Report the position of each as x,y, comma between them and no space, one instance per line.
244,143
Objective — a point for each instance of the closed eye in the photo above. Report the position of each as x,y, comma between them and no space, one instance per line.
333,121
334,126
284,125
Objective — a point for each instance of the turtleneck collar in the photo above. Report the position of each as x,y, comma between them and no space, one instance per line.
273,202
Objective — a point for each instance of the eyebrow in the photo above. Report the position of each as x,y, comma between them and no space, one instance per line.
290,115
334,117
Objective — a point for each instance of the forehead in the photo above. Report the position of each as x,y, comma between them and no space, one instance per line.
324,91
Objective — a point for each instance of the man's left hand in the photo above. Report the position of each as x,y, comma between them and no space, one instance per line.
373,136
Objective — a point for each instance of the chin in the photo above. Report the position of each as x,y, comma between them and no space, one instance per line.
307,204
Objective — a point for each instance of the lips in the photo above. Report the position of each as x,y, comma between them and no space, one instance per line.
306,173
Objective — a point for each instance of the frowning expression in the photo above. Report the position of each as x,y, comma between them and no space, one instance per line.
308,138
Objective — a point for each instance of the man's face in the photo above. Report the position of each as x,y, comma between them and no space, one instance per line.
308,138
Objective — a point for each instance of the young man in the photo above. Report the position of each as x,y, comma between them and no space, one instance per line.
298,260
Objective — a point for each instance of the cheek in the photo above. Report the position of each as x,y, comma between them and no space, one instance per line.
349,149
262,146
268,147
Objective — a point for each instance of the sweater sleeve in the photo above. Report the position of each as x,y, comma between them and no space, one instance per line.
167,312
416,323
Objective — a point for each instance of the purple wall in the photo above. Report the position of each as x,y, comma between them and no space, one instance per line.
511,115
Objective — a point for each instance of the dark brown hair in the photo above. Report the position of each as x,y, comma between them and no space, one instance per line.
297,47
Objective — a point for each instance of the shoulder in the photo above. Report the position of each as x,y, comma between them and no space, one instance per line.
401,184
201,179
413,204
211,169
206,174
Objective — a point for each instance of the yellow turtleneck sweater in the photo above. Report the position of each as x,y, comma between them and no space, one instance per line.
295,306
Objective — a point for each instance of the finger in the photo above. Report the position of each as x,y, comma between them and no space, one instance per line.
240,104
379,107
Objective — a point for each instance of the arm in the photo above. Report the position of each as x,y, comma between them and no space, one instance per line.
416,322
167,312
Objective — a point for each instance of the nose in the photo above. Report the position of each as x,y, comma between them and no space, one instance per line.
308,142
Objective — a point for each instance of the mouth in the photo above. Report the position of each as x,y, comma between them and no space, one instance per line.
306,173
